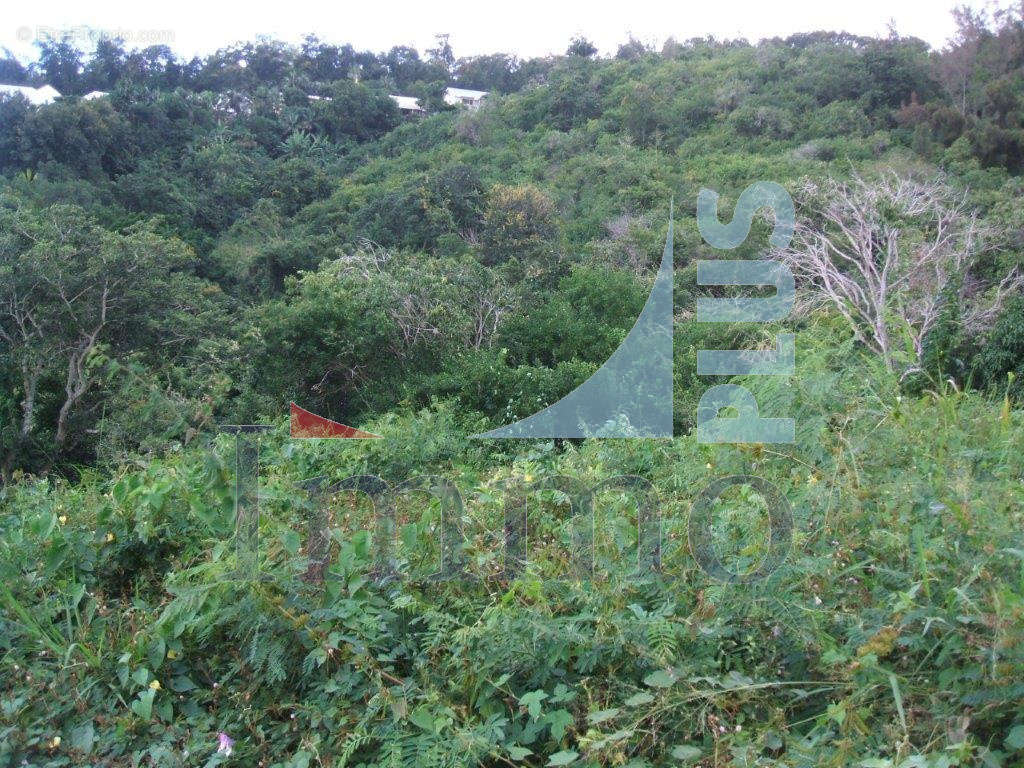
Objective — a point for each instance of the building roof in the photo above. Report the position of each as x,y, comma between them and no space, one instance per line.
37,96
94,95
48,92
410,103
462,95
465,93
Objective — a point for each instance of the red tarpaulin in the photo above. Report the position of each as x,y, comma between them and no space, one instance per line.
306,425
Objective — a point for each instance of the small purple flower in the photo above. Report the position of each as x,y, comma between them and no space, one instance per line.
225,744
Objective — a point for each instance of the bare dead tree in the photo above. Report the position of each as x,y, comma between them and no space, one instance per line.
882,252
368,259
411,311
624,248
467,302
488,309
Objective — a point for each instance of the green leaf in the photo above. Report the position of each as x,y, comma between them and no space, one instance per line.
686,753
602,715
898,697
156,652
519,753
735,680
423,717
141,676
1015,738
143,706
836,713
182,683
559,720
659,679
502,680
772,740
82,738
638,700
833,657
165,710
563,758
562,693
532,702
291,542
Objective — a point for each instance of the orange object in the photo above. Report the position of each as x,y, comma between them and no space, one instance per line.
307,425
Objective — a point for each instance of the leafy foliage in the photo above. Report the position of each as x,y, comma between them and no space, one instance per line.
217,237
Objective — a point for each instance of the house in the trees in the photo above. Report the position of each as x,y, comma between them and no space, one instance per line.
463,97
408,105
457,97
47,94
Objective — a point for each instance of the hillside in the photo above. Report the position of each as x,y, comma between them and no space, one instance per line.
214,239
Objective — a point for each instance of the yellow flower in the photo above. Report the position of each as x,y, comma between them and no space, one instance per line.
708,465
62,519
55,743
155,685
110,537
811,480
528,477
171,653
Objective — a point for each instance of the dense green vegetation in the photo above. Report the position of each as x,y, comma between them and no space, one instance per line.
208,243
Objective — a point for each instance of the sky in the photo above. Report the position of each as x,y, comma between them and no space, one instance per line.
525,28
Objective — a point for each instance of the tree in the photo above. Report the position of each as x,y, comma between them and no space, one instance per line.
632,50
405,67
356,112
14,113
883,252
1000,362
956,69
499,72
442,55
580,46
158,67
61,63
68,286
268,62
897,68
519,222
323,62
107,65
89,137
12,71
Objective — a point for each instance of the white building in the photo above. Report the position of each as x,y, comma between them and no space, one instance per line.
94,95
35,96
409,105
464,97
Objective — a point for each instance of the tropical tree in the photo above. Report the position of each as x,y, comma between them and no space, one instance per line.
519,222
69,287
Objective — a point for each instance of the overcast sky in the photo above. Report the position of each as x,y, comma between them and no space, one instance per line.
524,27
